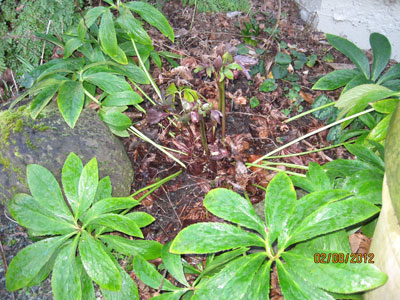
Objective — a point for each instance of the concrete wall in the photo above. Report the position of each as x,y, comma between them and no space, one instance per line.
356,19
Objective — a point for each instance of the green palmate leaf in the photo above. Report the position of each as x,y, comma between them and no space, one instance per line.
45,189
310,203
149,275
104,189
173,263
26,265
337,241
122,98
362,95
378,133
107,35
71,172
98,265
332,217
228,205
382,50
65,280
346,167
142,219
70,46
147,249
108,82
119,223
116,120
30,214
133,27
280,202
335,80
128,290
234,280
87,187
86,283
70,101
109,205
42,99
365,185
364,154
213,237
339,277
392,73
259,287
296,288
354,53
152,16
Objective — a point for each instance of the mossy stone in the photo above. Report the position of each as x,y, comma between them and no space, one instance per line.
48,140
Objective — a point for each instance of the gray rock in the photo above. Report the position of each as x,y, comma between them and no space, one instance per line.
48,140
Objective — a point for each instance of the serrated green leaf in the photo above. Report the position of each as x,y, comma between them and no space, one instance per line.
45,189
213,237
346,167
90,18
279,71
337,241
100,268
340,277
153,17
361,96
280,202
107,35
86,283
142,219
392,73
120,57
378,133
149,275
65,279
235,279
230,206
70,101
156,59
386,106
108,82
175,295
133,27
42,99
356,81
136,74
332,217
147,249
268,85
382,50
116,120
122,98
296,288
354,53
30,214
104,189
335,80
128,289
259,287
173,264
29,261
364,154
70,46
365,185
87,187
118,223
71,173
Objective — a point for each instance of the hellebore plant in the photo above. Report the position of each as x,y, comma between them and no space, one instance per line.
221,69
75,232
284,239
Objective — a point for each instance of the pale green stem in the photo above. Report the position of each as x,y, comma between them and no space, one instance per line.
143,93
155,87
91,96
275,169
312,133
161,148
308,152
294,166
308,112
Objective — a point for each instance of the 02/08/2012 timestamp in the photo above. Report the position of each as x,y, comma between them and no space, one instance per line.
344,258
